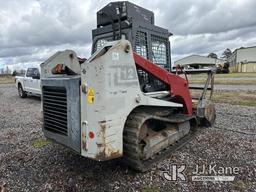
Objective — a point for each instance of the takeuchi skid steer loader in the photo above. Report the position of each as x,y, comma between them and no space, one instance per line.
123,101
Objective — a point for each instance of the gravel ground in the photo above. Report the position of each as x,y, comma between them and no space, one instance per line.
24,167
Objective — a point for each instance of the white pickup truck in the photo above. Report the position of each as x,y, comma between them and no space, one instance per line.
29,83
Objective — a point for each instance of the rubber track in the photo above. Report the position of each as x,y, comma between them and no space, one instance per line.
131,145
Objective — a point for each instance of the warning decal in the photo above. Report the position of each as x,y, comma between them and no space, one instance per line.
90,96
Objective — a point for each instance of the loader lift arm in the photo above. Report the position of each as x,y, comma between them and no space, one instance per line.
178,86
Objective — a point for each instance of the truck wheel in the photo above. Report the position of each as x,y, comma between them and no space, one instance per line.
21,92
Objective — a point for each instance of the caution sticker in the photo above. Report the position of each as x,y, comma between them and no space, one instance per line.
90,96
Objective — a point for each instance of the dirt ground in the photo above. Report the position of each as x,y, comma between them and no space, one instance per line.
30,163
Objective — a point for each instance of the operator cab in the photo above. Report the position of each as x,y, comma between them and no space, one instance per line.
137,25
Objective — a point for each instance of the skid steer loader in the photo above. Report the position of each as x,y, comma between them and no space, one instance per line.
123,101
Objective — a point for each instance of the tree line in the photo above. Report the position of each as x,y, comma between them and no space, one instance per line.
225,55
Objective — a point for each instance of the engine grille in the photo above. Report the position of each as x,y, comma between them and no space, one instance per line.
55,109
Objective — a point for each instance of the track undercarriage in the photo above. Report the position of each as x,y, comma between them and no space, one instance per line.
150,134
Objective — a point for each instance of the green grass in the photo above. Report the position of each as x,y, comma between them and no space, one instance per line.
237,75
235,98
39,143
238,185
226,79
151,189
243,98
219,81
231,75
7,79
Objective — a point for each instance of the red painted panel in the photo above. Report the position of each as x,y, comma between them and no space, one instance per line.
178,86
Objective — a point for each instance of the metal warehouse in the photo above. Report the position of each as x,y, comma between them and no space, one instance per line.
243,60
198,61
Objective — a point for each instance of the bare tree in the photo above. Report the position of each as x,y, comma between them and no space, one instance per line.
7,71
22,71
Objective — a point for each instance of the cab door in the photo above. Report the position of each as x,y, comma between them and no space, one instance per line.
35,86
28,80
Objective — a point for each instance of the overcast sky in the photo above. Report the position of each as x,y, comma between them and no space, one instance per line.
33,30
